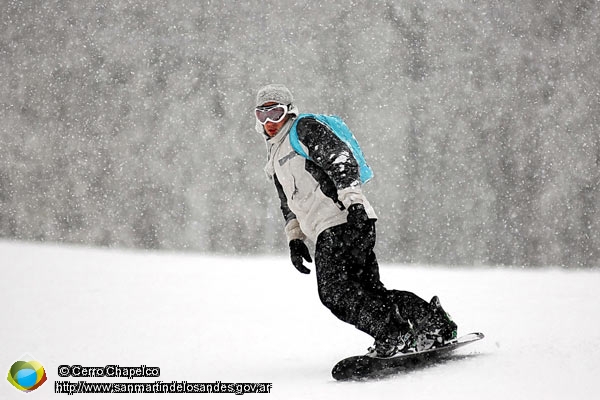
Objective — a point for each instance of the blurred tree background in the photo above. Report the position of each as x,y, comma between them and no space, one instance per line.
130,123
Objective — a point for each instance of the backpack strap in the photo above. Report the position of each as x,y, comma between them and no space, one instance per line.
294,141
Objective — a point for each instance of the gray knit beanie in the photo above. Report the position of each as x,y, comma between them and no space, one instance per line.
274,92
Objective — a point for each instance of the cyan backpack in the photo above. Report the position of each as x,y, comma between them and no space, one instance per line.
341,130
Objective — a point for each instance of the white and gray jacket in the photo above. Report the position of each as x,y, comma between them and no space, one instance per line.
315,194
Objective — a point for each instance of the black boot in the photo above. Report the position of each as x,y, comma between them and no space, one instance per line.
435,329
401,340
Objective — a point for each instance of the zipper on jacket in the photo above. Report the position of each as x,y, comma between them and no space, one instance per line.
295,187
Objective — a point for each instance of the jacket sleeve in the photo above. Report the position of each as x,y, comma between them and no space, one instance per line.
331,154
292,227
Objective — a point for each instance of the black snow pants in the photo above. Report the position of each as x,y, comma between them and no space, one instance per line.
349,284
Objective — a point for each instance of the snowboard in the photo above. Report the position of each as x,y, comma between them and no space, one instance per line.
365,367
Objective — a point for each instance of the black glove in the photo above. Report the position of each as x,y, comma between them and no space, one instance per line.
357,216
299,251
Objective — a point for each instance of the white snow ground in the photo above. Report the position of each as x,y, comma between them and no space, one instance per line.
206,319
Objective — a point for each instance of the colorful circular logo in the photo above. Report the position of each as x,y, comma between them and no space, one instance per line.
27,375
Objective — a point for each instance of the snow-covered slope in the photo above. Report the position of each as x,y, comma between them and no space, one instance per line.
208,319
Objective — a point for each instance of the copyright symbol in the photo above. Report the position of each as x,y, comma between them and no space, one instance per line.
64,371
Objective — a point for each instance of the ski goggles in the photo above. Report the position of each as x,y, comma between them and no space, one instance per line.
274,113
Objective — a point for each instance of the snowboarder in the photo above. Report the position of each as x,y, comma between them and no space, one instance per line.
322,200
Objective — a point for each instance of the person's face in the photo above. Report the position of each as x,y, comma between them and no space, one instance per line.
272,128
